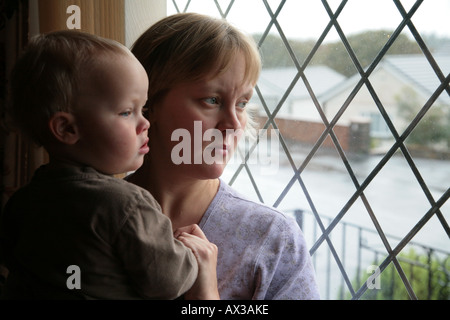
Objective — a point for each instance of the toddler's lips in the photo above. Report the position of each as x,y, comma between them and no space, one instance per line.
144,148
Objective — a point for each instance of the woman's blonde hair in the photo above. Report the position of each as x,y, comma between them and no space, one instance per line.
47,76
188,46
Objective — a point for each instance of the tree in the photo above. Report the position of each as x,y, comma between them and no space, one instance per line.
427,274
433,129
365,45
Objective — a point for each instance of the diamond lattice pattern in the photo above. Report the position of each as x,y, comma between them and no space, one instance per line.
387,189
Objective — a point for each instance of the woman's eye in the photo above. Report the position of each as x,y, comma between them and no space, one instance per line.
242,104
212,100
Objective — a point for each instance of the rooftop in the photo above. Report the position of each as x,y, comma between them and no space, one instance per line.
274,82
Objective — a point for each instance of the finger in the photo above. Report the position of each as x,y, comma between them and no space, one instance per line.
193,229
200,247
187,229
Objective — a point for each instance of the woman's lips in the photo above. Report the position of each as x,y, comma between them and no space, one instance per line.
215,150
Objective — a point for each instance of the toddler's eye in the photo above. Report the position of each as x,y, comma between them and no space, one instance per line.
125,114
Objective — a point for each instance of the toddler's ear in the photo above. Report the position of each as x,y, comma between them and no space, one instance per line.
63,128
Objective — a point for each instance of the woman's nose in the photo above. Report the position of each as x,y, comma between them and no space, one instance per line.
230,119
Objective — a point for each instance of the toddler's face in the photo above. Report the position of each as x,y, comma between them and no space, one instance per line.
113,130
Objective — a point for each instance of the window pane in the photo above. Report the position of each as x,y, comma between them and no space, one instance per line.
359,106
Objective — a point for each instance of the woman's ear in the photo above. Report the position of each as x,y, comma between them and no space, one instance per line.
63,127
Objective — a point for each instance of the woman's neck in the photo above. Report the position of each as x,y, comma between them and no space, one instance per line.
183,199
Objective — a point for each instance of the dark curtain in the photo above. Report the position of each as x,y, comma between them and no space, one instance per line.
14,152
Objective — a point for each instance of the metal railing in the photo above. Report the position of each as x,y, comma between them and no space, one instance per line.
361,259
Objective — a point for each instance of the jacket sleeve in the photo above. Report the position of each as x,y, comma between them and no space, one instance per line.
159,266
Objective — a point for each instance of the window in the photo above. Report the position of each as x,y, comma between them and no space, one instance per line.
374,211
378,127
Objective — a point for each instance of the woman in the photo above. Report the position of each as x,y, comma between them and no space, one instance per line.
202,73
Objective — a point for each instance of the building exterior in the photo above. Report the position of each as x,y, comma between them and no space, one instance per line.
398,79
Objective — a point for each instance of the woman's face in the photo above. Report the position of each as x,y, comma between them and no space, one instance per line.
197,125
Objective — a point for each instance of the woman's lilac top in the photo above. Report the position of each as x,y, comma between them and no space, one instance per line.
262,252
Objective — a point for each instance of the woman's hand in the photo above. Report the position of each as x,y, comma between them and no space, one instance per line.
205,287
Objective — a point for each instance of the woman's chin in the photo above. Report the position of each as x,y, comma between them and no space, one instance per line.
213,171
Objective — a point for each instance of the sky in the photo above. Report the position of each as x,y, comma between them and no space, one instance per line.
306,19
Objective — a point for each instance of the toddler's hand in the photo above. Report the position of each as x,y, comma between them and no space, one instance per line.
205,287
